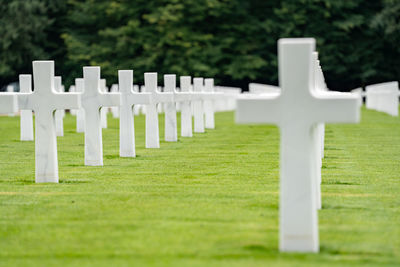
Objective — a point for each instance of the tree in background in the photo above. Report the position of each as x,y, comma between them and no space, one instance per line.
387,26
28,31
233,41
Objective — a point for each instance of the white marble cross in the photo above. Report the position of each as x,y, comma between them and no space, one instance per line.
93,99
152,131
72,89
209,121
8,103
198,109
297,111
383,97
114,110
10,89
186,107
44,100
129,98
359,92
26,118
103,110
171,127
59,114
259,88
80,113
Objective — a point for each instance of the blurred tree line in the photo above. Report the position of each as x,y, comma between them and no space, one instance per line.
233,41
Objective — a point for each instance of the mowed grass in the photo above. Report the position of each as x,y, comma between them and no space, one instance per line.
210,200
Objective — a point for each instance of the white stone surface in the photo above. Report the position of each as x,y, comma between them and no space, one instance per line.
383,97
59,114
186,107
198,110
114,110
72,89
8,103
171,124
259,88
10,89
137,109
228,102
103,110
80,113
44,100
129,99
26,118
297,111
152,130
93,99
359,93
209,121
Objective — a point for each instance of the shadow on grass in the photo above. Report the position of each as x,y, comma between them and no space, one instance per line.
19,181
74,181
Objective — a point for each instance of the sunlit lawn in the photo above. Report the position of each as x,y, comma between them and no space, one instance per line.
210,200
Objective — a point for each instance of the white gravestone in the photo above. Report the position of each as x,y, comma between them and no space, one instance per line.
80,113
10,89
259,88
72,89
359,93
93,99
198,110
103,110
114,110
44,100
171,126
209,122
160,106
129,98
26,118
136,108
228,101
383,97
59,114
152,130
186,108
320,88
297,111
8,103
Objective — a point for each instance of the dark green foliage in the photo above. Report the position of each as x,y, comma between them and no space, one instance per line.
233,41
29,30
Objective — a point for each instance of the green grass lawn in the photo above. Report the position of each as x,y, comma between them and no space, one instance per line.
210,200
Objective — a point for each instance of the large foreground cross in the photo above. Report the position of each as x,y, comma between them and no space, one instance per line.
297,111
44,101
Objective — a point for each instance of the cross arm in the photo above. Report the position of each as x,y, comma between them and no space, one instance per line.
139,98
67,101
24,101
183,96
8,103
165,97
337,107
258,109
110,99
213,95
